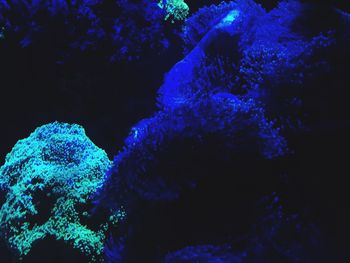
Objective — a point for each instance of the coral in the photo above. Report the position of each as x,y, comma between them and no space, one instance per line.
149,173
26,20
248,52
242,67
274,53
177,86
222,114
175,9
139,27
202,21
49,178
190,175
123,29
114,250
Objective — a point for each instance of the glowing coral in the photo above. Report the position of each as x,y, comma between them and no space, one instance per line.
175,9
52,174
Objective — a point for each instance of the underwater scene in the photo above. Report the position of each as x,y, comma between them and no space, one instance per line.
174,131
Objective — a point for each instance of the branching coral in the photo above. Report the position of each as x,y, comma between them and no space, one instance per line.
49,178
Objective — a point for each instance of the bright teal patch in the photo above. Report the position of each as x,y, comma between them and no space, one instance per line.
176,10
46,177
229,18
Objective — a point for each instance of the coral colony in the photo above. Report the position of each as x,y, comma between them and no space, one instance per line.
230,165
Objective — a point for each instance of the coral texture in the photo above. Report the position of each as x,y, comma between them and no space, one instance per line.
52,174
124,29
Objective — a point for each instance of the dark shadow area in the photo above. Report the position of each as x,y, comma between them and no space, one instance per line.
51,250
218,195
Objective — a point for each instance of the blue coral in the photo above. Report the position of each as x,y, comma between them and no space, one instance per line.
222,114
123,29
242,66
243,81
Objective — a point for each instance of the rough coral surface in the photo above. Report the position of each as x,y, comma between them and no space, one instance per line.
190,175
51,174
175,9
242,66
241,124
244,50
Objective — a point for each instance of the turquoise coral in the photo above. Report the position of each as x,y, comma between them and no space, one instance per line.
176,10
61,162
